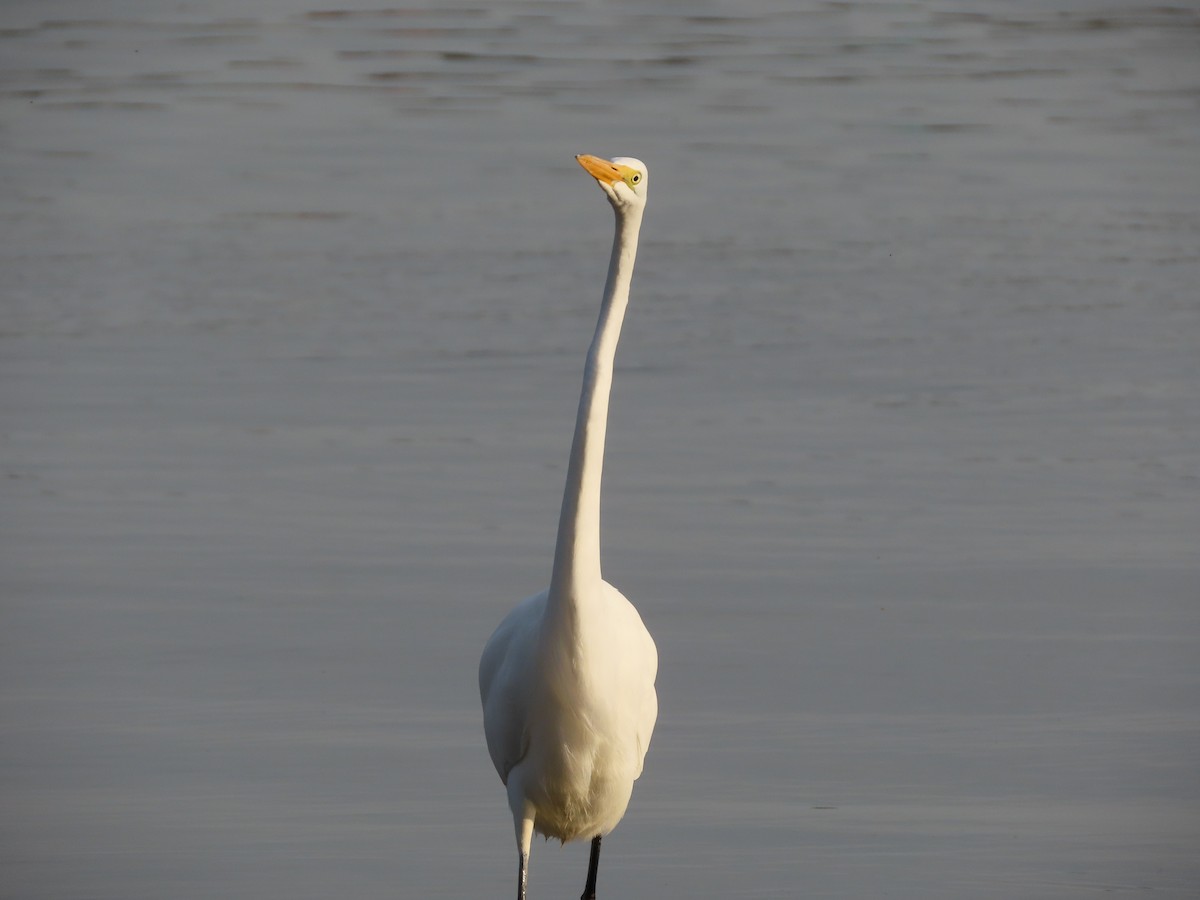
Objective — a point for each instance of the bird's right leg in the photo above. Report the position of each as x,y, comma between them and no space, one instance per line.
524,826
522,874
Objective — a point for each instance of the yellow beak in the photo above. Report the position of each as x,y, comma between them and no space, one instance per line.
601,169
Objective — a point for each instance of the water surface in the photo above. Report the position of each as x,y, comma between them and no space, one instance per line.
903,469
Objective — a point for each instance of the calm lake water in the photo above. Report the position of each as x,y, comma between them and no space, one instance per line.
904,457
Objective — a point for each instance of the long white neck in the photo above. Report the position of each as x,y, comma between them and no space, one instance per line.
577,552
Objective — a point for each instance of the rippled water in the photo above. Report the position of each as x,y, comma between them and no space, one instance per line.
903,468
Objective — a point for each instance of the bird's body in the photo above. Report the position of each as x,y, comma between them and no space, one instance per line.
570,745
567,679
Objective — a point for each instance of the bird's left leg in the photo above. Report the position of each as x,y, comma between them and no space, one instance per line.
589,889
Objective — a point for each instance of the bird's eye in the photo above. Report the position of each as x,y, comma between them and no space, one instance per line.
635,177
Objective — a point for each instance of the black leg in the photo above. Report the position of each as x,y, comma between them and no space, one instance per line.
522,875
589,889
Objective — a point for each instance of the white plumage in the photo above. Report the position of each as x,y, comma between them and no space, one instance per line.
567,679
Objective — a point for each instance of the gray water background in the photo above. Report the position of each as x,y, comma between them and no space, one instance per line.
904,456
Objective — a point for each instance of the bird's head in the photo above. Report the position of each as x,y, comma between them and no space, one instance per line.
622,178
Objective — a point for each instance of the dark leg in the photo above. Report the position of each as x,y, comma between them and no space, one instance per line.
522,875
589,889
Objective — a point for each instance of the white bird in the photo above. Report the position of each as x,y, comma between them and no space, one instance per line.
567,679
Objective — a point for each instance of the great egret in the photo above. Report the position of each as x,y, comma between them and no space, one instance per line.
567,679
